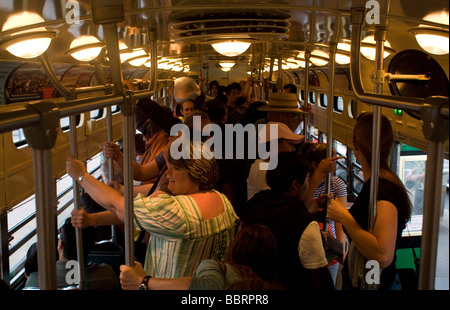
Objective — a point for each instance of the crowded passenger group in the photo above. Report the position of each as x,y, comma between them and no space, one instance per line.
226,222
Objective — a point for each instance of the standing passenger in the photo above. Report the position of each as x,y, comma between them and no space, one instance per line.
302,262
393,210
195,224
316,152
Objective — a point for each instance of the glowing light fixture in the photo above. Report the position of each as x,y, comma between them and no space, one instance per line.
342,54
434,40
138,57
124,52
231,48
227,64
319,57
85,48
225,69
28,43
368,47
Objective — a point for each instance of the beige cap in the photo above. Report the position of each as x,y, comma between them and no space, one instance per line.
282,102
283,133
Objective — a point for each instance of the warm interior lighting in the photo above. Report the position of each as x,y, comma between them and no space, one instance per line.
231,48
225,69
321,60
27,43
227,64
369,51
138,57
342,54
434,40
124,53
85,48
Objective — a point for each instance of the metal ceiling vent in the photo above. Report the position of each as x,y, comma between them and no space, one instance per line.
250,27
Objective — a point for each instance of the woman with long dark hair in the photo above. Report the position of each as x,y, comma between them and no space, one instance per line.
393,210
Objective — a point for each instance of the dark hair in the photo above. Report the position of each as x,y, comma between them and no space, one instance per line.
67,236
232,86
290,167
292,87
216,110
254,252
362,135
213,83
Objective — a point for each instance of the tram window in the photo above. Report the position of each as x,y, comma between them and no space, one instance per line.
338,104
312,97
18,137
115,109
65,122
323,100
302,94
96,114
353,108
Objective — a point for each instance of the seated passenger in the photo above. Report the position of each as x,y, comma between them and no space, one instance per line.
195,224
252,255
97,277
256,180
302,262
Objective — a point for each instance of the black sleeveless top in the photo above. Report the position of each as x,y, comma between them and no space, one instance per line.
360,211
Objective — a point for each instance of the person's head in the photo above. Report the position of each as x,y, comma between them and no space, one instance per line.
286,138
187,107
290,175
190,174
233,92
290,88
67,247
362,143
186,89
213,88
255,246
315,153
283,108
216,110
89,204
204,120
155,114
362,137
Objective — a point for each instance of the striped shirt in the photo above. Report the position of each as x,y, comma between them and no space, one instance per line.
179,236
338,188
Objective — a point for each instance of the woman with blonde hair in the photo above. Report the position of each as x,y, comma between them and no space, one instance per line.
194,224
393,209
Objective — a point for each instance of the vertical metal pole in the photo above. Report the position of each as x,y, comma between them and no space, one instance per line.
330,104
4,249
45,189
76,200
306,117
431,212
380,37
128,134
112,43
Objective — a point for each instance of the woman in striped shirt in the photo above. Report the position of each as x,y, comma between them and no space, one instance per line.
194,224
316,154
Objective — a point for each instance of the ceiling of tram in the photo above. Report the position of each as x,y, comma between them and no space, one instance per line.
184,27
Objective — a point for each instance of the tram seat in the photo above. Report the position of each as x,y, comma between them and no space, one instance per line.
109,253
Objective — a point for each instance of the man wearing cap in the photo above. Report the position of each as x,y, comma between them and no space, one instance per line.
283,108
187,90
256,180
